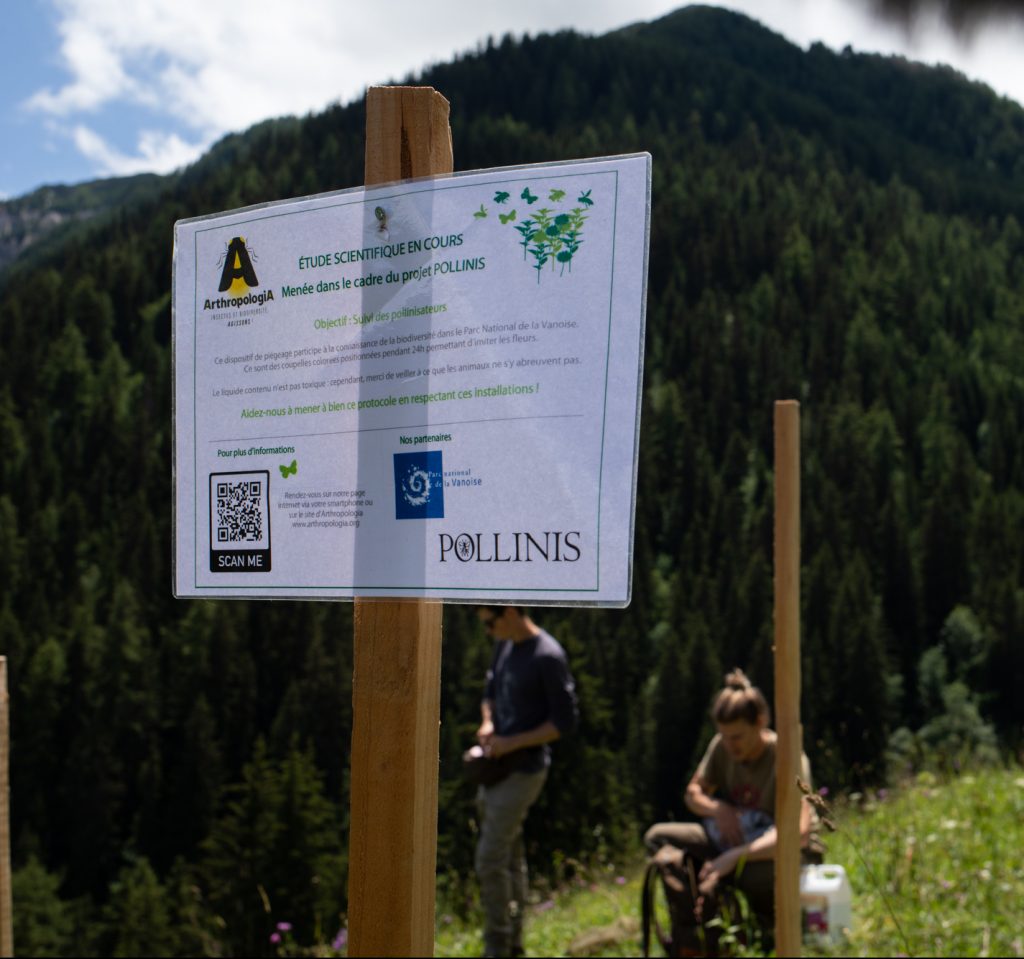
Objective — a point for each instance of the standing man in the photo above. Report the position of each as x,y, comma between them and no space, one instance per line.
529,701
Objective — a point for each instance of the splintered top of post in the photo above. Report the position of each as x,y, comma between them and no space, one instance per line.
407,134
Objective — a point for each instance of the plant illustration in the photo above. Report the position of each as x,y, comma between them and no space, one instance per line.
551,234
481,213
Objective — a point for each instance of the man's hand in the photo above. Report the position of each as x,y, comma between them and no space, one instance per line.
727,818
498,746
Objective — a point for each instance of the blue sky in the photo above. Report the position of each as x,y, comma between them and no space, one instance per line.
93,88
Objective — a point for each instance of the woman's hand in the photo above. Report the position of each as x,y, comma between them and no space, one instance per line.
714,870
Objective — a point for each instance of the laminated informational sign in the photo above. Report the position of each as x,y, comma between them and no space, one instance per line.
426,389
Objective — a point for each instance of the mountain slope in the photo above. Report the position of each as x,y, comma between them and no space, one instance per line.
837,228
48,212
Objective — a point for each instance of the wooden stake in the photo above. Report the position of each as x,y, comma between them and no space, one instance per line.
6,904
787,677
396,684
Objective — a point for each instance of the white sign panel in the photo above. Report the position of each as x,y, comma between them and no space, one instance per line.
423,389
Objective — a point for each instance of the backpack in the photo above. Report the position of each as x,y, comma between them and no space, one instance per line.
673,872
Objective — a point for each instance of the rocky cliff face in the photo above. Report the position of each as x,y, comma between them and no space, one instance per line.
27,220
22,225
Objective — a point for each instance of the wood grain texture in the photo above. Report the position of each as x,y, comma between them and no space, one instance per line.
787,677
396,685
407,134
396,704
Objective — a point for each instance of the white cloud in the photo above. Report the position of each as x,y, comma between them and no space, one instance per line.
98,75
218,67
211,67
158,152
197,69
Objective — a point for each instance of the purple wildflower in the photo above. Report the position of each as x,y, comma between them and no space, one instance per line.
620,880
284,927
340,940
275,937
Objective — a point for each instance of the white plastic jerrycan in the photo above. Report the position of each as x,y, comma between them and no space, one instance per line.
826,902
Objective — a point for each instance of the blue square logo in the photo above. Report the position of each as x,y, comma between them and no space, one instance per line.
419,485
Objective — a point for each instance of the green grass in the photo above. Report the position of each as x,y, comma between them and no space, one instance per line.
936,870
936,867
602,905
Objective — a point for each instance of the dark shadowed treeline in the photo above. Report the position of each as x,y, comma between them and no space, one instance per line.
843,230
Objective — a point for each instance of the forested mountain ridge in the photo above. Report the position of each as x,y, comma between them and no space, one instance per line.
837,228
44,213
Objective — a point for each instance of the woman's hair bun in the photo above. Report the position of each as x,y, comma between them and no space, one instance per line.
737,679
740,700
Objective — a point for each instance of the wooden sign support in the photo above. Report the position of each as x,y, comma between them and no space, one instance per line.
396,683
787,677
6,904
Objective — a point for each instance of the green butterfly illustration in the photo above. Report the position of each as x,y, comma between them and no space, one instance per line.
500,197
555,195
507,217
528,196
481,213
291,470
584,198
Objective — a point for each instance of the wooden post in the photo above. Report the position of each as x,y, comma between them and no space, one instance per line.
787,677
6,904
396,684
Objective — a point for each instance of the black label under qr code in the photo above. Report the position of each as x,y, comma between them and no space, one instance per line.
240,522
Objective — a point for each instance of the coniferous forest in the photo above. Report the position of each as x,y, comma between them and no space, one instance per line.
837,228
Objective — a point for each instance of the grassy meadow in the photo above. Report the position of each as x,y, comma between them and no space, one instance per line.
935,868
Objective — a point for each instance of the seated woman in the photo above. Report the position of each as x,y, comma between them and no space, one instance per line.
733,792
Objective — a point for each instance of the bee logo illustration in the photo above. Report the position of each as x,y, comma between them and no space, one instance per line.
238,275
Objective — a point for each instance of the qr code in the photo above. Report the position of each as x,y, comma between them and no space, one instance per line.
239,511
240,522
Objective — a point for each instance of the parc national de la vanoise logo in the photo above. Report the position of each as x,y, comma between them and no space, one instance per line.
238,278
